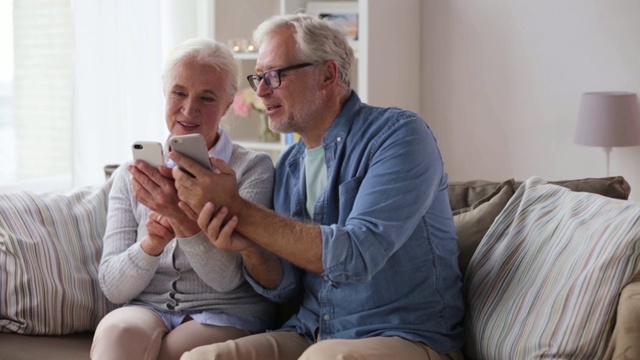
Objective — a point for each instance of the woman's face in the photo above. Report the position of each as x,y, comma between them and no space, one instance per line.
196,99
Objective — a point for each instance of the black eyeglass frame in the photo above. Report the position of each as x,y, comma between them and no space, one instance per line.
254,79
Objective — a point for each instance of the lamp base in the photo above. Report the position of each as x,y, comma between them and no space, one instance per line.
607,151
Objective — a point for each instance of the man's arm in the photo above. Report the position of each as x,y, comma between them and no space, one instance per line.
263,267
299,243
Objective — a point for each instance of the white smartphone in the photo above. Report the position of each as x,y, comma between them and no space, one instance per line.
149,151
192,146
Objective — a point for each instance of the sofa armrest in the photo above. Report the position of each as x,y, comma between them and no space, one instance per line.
625,344
109,169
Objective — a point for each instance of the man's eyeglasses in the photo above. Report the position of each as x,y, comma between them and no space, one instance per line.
272,77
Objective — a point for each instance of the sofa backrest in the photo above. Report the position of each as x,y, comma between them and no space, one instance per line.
463,194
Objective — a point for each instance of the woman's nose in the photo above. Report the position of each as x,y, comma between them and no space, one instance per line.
189,107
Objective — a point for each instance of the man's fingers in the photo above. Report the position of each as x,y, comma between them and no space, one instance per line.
187,164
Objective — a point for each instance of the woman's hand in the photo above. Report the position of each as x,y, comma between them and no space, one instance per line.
155,188
159,234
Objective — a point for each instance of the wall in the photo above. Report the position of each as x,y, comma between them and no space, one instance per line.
502,81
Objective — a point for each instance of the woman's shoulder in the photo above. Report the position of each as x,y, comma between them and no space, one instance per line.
243,155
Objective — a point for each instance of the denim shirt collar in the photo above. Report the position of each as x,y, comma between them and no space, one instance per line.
336,132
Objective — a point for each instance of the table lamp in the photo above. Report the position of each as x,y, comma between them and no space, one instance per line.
608,119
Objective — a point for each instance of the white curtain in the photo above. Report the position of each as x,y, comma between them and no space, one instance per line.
36,141
117,87
119,50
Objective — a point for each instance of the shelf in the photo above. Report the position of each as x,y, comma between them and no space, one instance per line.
388,55
245,55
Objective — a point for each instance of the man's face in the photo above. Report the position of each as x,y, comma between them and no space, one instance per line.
292,106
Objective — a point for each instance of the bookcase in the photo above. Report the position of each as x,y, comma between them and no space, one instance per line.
388,52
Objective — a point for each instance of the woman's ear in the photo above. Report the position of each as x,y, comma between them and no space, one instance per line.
226,111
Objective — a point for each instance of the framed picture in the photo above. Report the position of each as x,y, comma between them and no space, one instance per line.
342,13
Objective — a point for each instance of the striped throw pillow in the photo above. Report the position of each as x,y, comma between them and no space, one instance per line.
545,281
50,248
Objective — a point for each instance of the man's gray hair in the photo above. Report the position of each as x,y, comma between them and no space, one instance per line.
317,41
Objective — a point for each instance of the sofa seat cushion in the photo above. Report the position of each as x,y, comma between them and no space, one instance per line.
545,280
30,347
50,248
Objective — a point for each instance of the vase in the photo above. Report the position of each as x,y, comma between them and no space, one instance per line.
267,134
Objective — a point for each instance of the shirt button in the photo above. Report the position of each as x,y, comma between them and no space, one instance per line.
326,317
338,139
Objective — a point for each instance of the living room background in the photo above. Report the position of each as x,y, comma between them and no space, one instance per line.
500,81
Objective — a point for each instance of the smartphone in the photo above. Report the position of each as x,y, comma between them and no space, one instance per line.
192,146
149,151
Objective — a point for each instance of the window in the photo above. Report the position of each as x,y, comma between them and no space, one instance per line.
7,132
79,83
36,94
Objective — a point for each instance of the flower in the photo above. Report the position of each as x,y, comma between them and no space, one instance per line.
247,100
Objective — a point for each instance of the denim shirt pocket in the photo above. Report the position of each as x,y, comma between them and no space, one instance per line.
347,193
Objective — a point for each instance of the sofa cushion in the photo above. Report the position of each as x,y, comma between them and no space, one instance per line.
30,347
624,341
50,248
473,222
545,280
464,193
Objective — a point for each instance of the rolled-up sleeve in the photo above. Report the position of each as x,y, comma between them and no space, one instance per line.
379,210
287,288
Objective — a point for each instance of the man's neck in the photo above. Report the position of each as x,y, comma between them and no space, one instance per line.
334,103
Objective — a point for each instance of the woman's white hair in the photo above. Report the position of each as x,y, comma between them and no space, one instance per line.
317,41
206,51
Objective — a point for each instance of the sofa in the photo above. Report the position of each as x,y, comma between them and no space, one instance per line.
549,269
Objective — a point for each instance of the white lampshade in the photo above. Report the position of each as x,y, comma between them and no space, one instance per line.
608,119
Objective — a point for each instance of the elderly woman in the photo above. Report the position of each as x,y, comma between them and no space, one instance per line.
179,291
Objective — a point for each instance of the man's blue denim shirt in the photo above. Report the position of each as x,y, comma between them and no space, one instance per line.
388,238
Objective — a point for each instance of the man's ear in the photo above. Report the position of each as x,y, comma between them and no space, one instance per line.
330,73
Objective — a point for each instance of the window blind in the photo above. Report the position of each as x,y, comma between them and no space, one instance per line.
43,84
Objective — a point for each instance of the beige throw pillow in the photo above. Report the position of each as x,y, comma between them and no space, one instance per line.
472,223
50,248
547,276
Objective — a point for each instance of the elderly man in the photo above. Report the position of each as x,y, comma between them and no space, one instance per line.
362,223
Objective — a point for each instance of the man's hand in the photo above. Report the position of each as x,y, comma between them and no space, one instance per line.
221,231
219,186
263,266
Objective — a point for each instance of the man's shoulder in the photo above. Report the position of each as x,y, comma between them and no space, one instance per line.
384,121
